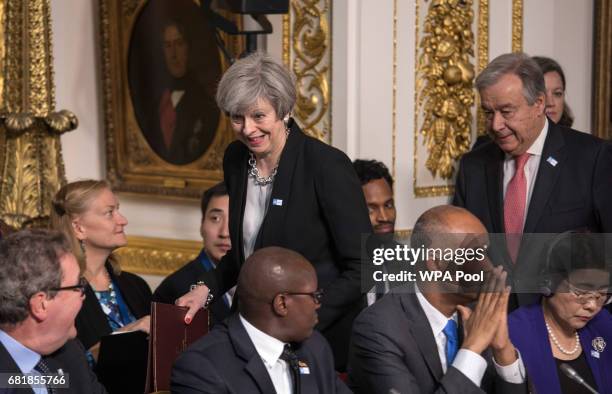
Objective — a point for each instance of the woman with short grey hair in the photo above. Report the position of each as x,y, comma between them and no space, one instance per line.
287,189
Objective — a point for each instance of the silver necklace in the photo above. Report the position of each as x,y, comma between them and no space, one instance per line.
558,345
254,171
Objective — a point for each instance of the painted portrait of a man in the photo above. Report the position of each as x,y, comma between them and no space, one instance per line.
173,99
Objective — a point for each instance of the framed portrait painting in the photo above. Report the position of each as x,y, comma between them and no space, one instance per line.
161,62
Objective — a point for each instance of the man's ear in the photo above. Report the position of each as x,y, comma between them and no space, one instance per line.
540,103
39,306
279,305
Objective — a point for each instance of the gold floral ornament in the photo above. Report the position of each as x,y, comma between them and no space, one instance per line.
447,74
310,36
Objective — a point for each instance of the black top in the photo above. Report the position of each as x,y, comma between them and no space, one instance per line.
91,322
569,386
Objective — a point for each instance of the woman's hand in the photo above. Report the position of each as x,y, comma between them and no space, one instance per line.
142,324
194,300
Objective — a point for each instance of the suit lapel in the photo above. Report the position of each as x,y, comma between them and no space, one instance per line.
246,350
272,228
421,331
308,384
547,176
494,179
7,364
237,203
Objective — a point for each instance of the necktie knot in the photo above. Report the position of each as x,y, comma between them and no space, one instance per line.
289,356
452,341
521,161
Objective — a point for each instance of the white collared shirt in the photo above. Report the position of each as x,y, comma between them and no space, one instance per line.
531,167
270,349
469,363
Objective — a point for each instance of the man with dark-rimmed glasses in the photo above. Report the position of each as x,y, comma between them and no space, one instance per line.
269,345
41,292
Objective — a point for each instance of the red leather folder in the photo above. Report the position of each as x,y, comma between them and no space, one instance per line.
169,337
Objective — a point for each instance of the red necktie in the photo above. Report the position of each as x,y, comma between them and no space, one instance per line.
514,206
167,117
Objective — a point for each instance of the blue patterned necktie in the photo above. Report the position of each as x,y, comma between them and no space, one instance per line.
452,341
44,369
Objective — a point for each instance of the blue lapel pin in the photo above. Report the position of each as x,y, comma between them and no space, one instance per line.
278,202
551,160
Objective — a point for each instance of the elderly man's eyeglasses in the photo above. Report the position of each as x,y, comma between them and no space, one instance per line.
317,296
584,296
80,287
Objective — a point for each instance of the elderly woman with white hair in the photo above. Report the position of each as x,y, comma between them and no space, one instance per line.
290,190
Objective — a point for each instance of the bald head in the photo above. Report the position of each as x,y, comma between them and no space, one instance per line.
270,271
448,219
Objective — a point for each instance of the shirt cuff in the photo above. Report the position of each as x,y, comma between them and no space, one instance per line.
513,373
471,364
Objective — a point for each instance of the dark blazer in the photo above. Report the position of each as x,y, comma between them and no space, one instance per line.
91,321
71,359
529,335
226,361
393,348
317,208
572,194
178,283
197,118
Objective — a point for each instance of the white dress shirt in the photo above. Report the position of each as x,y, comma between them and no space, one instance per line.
469,363
531,167
270,349
255,208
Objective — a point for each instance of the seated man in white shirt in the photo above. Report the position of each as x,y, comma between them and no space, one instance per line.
422,338
270,345
41,292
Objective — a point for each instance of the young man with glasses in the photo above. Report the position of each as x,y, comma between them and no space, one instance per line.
41,292
270,345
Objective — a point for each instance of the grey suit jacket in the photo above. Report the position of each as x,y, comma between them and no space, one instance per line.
226,361
393,350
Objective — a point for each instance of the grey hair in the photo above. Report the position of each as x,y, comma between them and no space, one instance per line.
254,77
29,264
522,66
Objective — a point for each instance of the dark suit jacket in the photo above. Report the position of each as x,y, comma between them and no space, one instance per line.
393,347
91,321
197,118
573,194
178,283
71,359
317,208
226,361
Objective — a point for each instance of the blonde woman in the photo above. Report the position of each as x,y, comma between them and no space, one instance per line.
87,212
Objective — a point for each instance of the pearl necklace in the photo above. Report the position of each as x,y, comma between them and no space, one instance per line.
558,345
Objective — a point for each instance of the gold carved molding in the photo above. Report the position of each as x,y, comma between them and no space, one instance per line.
31,164
517,25
444,75
602,54
483,58
307,52
156,256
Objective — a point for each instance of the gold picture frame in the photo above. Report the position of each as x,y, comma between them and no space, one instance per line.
602,68
141,73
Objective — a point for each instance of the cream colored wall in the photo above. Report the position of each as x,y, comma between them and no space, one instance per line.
362,86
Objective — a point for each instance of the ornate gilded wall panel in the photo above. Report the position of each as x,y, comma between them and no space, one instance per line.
446,58
156,256
517,25
31,164
307,52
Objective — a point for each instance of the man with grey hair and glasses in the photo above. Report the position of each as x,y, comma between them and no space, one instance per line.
41,292
534,176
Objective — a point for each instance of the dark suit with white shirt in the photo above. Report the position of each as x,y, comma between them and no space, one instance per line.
571,191
393,350
226,361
